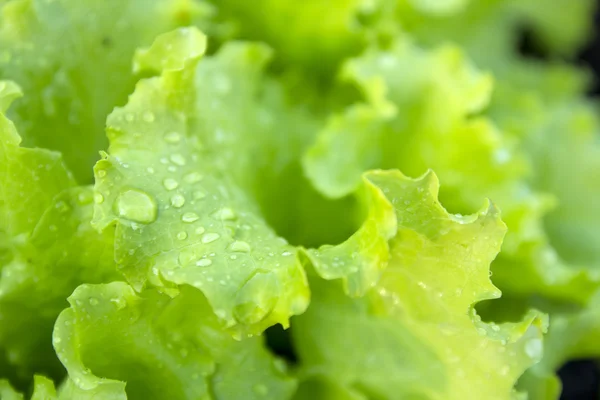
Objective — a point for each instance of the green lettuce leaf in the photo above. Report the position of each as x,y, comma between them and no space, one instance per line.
416,333
48,248
179,218
74,80
117,344
338,34
401,126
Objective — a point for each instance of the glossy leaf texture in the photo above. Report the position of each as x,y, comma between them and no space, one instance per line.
117,344
416,333
180,219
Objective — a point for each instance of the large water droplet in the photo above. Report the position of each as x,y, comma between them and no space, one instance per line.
225,214
240,246
190,217
177,159
182,235
210,237
136,206
170,184
177,200
204,262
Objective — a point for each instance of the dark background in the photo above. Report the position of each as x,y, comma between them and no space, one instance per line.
590,56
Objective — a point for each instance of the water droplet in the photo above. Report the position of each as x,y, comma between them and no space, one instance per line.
533,348
101,173
225,214
240,246
93,301
204,262
286,253
193,177
129,117
98,198
199,195
172,137
199,230
190,217
150,170
177,200
148,116
210,237
136,206
170,184
177,159
182,235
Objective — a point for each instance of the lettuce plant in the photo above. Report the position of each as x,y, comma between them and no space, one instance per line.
390,181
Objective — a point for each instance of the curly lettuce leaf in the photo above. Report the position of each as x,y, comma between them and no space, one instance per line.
359,260
73,81
49,247
117,344
416,333
401,126
179,218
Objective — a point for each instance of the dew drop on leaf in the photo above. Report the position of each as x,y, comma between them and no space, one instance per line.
136,206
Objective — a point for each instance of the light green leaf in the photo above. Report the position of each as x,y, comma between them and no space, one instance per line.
73,81
7,392
180,219
49,247
116,345
43,389
338,34
30,178
416,334
360,259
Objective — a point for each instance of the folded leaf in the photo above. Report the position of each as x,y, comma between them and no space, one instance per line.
416,333
116,344
180,219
